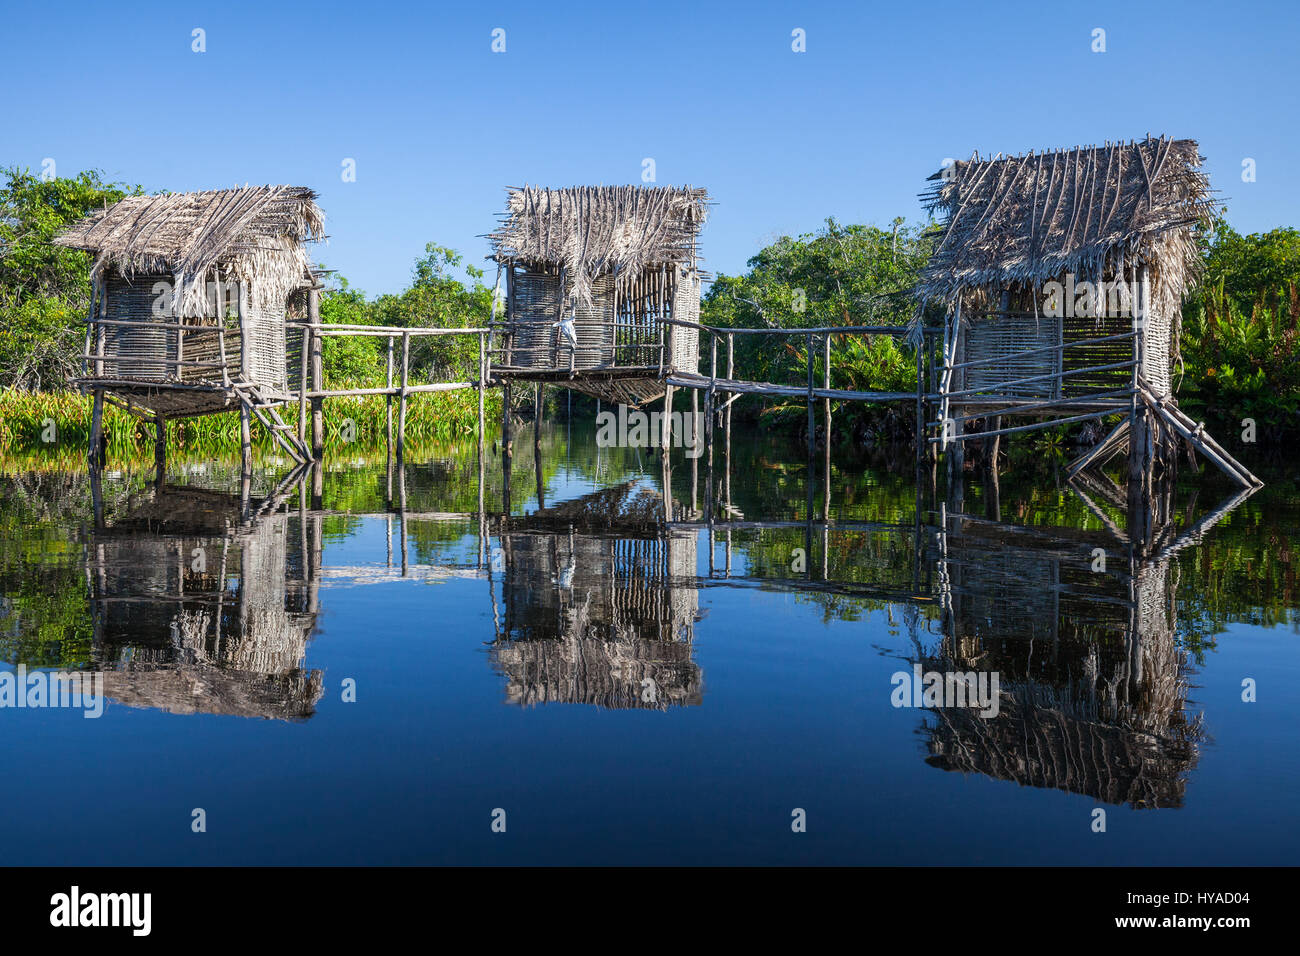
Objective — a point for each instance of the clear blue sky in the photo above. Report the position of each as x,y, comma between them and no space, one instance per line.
438,124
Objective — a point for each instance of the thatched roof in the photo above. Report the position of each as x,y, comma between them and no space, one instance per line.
1033,218
589,230
254,233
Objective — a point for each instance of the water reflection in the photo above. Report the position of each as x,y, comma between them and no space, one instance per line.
1082,633
203,603
600,604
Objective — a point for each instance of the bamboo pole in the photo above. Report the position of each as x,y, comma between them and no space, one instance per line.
812,424
507,451
537,443
696,438
482,385
160,449
95,453
401,402
304,359
245,435
317,376
388,403
1034,425
920,402
666,425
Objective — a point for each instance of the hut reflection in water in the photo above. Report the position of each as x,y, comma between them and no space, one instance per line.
1082,630
203,605
600,604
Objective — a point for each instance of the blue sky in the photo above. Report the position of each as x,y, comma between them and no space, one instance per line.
438,124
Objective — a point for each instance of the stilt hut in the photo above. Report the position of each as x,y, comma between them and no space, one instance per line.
1062,274
600,605
189,298
591,275
197,609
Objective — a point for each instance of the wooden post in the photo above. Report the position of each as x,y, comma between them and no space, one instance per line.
537,414
245,436
826,376
726,423
993,445
482,464
245,374
401,401
482,386
666,426
304,359
160,449
507,448
537,443
95,453
1137,433
317,376
812,423
920,401
317,490
696,438
708,441
401,497
388,406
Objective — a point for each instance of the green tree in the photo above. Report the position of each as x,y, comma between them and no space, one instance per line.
438,299
44,288
837,276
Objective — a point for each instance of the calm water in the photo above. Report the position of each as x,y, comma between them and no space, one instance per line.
633,689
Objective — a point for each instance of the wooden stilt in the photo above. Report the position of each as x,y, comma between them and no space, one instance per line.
160,450
696,438
537,442
666,425
317,378
958,451
388,409
401,405
304,361
993,444
245,436
482,465
812,422
95,453
317,486
507,449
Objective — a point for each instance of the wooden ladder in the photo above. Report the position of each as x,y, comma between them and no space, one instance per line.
269,415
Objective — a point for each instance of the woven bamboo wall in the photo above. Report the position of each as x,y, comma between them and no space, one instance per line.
1006,338
536,342
686,308
614,332
144,353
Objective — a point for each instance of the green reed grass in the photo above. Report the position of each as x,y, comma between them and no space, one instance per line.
55,426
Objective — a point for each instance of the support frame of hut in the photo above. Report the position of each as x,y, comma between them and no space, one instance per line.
1062,275
190,293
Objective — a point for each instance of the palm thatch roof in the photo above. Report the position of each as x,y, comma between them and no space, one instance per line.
1033,218
590,230
253,233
